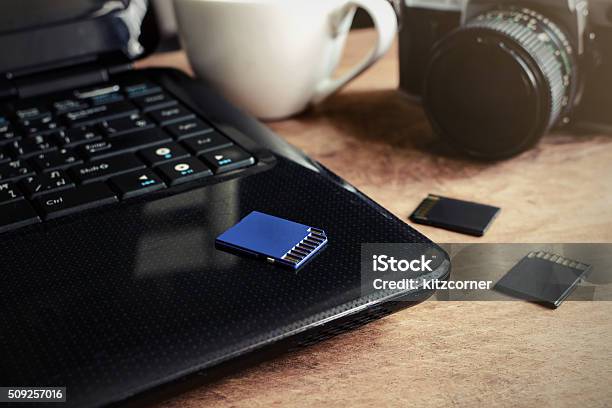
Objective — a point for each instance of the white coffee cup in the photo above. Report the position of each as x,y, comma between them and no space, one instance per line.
275,57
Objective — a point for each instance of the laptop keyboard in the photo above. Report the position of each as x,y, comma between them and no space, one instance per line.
101,145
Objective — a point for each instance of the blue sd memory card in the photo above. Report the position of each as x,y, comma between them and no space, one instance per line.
276,239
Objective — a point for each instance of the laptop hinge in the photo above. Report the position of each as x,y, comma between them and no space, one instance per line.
59,80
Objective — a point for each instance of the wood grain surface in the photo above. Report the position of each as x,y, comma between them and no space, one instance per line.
444,353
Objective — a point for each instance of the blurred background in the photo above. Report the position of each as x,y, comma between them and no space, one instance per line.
168,28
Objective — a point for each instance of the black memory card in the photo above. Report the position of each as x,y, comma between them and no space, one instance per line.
455,215
543,277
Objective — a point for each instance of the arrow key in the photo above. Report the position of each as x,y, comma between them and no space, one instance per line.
228,159
137,183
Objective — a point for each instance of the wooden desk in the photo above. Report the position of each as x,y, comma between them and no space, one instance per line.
444,353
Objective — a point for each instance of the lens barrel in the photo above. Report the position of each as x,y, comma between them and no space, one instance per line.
496,84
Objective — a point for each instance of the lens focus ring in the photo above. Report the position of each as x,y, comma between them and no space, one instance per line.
543,41
493,86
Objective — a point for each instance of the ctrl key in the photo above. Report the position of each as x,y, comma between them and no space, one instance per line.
62,203
17,214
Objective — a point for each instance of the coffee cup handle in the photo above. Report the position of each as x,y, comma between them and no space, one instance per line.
385,21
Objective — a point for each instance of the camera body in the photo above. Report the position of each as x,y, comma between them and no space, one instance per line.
495,75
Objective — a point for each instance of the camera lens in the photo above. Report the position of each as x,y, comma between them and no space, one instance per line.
496,84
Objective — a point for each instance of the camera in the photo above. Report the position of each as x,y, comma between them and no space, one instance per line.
495,75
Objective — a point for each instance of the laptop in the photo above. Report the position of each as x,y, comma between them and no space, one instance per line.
115,184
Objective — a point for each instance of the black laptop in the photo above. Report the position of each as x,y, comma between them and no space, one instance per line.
115,184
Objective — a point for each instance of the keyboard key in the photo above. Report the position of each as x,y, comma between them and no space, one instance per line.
9,192
4,157
15,170
137,183
228,159
17,214
104,169
59,159
69,104
99,113
32,146
7,134
44,124
137,89
65,202
46,118
108,98
206,142
96,148
79,135
30,112
163,153
125,144
154,101
129,124
188,128
166,116
99,95
184,170
55,180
